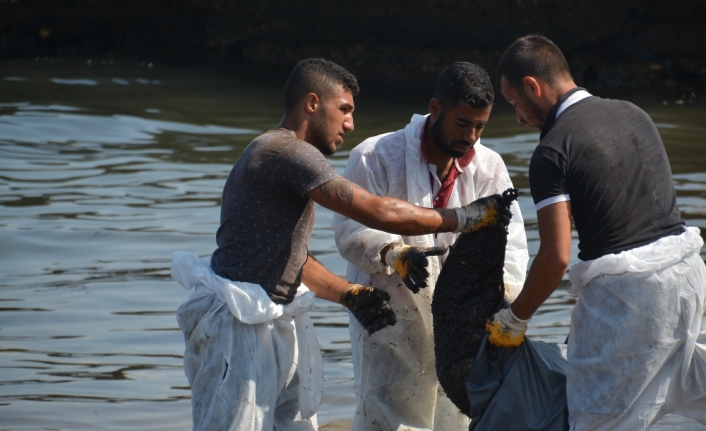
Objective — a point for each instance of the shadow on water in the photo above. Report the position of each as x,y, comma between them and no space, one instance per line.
106,169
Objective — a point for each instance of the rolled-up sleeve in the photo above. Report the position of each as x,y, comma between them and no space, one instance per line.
357,243
516,255
495,181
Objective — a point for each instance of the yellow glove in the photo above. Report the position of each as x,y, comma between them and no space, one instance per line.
482,212
505,329
411,262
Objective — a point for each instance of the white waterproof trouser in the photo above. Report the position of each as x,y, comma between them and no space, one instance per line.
637,346
263,375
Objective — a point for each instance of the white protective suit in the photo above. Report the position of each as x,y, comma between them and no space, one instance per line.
253,365
395,377
637,345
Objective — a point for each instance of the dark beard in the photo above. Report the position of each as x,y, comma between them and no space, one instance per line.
440,140
319,138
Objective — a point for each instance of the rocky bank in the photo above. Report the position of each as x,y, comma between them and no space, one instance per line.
626,45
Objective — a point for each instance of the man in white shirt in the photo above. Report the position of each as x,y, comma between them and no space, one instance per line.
436,161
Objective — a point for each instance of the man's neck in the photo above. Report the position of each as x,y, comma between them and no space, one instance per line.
552,114
296,125
558,91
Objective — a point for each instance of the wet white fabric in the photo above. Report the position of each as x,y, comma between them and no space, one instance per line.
395,377
637,344
233,325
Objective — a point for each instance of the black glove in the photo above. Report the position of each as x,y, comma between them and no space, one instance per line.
410,263
483,212
370,307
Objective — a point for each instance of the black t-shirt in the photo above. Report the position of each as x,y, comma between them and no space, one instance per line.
608,157
266,217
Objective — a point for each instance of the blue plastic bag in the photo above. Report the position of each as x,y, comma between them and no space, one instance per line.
522,388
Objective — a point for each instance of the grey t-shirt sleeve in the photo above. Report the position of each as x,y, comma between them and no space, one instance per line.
547,174
304,169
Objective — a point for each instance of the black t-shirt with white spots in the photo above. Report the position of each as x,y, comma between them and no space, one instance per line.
607,158
266,217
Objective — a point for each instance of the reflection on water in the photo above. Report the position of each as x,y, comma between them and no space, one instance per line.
106,170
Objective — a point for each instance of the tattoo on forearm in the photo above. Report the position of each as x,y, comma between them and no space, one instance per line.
340,189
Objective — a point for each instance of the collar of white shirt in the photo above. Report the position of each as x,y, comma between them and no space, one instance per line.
576,97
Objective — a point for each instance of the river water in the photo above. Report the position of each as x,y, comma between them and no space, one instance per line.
107,166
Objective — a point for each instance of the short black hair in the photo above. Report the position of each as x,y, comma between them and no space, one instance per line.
532,55
463,81
318,76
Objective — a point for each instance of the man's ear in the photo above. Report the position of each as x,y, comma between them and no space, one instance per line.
533,86
311,103
434,108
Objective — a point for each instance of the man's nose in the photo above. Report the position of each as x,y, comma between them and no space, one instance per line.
470,136
348,125
519,118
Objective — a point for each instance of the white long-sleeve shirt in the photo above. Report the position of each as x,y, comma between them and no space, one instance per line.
392,165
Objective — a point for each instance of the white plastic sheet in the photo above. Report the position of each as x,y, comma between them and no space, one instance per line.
637,344
252,364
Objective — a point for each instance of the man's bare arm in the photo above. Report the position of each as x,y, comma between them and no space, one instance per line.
549,266
322,282
382,212
370,306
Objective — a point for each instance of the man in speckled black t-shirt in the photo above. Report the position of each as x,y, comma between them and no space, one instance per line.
267,218
637,347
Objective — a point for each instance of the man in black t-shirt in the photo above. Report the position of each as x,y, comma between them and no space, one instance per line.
251,357
641,282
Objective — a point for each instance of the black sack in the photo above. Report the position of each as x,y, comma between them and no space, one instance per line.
518,388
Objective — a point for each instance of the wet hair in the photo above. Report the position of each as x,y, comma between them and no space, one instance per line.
532,55
465,82
318,76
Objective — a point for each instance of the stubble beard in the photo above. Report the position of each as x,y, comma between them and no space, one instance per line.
437,133
536,113
320,138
